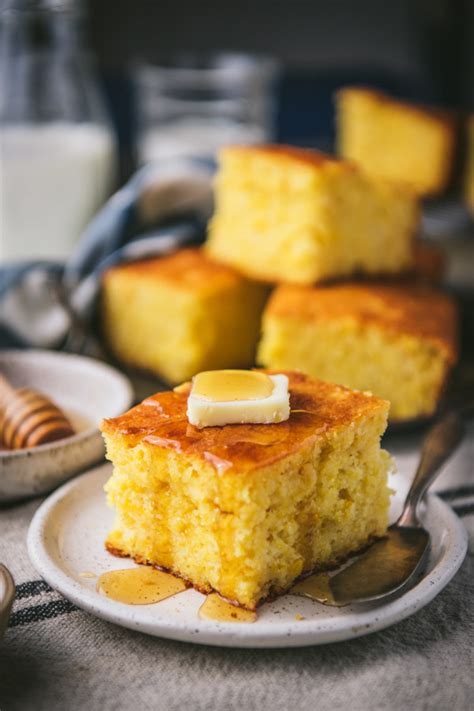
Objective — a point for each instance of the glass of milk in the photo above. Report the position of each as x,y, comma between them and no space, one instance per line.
194,105
57,152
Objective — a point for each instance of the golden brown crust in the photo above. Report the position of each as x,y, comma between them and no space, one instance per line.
313,159
317,408
445,117
188,270
413,309
307,156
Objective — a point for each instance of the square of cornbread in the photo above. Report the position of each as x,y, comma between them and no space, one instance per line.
180,314
245,509
395,340
299,216
396,140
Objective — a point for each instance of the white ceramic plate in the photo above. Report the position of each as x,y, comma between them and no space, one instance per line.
87,390
66,539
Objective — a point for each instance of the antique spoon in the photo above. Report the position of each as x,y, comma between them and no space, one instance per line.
392,563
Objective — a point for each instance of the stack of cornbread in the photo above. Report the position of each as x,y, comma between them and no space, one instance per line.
334,249
311,269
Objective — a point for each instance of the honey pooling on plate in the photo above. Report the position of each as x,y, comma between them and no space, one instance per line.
147,585
219,610
139,586
315,587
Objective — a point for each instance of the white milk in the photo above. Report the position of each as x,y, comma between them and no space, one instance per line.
53,178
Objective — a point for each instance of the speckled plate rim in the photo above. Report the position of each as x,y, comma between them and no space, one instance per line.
43,549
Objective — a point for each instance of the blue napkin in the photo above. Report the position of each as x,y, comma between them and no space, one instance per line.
162,208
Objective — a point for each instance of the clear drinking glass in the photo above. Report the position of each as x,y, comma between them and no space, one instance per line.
194,105
57,153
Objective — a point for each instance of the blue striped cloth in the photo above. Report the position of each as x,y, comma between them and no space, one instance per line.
161,208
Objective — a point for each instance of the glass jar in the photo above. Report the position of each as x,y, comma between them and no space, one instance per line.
57,152
193,105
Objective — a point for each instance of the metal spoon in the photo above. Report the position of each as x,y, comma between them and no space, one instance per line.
391,563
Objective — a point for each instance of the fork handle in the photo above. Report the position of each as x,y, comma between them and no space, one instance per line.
440,443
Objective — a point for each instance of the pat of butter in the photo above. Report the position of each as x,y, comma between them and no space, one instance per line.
228,397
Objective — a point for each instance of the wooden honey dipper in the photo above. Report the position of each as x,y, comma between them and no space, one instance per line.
29,418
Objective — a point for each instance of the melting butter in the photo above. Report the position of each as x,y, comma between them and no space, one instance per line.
230,397
217,609
139,586
226,385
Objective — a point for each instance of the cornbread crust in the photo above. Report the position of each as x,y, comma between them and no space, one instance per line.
312,158
416,309
316,408
189,270
308,156
443,116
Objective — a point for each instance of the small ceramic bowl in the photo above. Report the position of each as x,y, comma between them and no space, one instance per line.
87,390
7,593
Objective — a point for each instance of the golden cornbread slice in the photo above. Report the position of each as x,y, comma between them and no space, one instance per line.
180,314
299,216
396,340
396,140
246,509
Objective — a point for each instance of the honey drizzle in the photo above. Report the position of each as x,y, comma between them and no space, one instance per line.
232,385
217,609
139,586
315,587
146,585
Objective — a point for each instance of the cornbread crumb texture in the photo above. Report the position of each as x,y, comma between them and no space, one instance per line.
294,215
396,140
181,314
245,509
398,341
